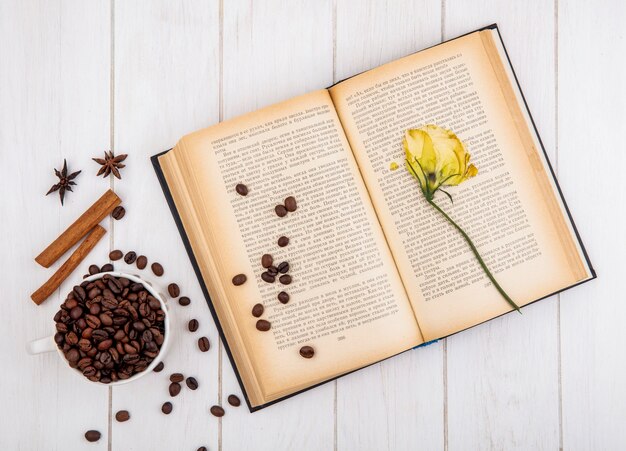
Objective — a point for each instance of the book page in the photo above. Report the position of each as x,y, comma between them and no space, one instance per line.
509,209
346,298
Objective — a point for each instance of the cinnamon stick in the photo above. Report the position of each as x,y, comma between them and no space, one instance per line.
69,266
79,228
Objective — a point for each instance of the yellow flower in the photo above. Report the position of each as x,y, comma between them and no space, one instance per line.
436,157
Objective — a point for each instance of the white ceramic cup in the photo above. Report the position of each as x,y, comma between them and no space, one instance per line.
47,344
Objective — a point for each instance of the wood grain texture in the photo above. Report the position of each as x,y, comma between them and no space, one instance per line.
399,403
275,50
166,85
53,105
591,96
503,376
548,379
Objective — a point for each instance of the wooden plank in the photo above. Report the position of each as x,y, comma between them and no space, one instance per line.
54,104
591,74
397,404
503,375
275,50
166,85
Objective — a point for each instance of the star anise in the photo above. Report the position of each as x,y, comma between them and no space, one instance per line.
110,164
65,181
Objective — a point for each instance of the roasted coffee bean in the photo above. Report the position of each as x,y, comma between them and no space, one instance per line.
267,277
193,325
217,411
173,290
76,313
174,389
272,271
267,260
116,255
280,210
283,241
283,267
290,204
184,301
107,268
257,310
94,269
192,383
285,279
177,377
239,279
204,344
72,355
157,269
118,212
159,367
263,325
234,401
71,338
166,408
130,257
80,292
92,436
283,297
89,372
241,189
142,262
202,448
122,415
307,352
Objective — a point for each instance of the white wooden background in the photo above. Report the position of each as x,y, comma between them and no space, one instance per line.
78,77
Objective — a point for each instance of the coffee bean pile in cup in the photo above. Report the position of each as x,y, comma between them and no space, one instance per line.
272,271
176,378
110,329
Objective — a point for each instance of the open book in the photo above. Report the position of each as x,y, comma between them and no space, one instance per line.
376,271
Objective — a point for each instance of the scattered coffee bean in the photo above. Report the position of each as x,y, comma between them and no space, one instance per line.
290,204
283,297
130,258
283,267
118,212
241,189
122,416
173,290
234,401
267,260
285,279
107,268
280,210
202,448
174,389
184,301
177,377
192,383
257,310
267,277
263,325
204,344
115,255
159,367
272,271
166,408
193,325
142,262
217,411
239,279
110,329
94,269
157,269
307,352
283,241
92,436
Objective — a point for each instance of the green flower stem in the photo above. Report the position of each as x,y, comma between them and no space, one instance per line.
477,255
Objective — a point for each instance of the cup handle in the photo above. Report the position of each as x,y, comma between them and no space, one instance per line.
42,345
